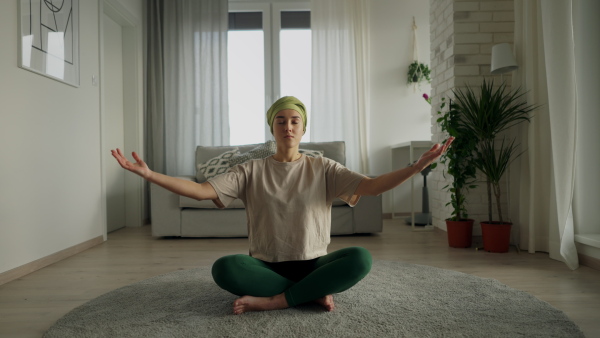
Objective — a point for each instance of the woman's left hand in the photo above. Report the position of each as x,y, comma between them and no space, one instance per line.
433,154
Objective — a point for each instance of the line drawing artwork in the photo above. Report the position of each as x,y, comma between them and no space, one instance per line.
52,16
49,38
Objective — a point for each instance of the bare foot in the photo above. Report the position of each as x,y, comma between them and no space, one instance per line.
326,302
250,303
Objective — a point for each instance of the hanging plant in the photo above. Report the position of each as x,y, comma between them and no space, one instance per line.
418,72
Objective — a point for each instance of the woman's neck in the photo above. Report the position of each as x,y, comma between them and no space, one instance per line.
287,155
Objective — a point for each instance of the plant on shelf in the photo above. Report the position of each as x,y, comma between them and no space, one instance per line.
418,72
486,114
459,163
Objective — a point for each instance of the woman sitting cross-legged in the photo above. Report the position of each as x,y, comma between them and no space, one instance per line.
288,198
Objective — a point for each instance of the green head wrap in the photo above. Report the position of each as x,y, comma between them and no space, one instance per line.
286,102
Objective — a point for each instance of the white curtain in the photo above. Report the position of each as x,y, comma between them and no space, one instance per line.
544,47
340,73
195,80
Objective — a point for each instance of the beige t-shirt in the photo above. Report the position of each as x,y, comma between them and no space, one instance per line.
288,204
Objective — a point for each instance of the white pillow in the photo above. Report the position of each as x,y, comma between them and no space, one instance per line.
262,151
311,153
216,165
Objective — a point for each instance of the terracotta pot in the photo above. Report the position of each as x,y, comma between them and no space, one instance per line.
496,236
460,233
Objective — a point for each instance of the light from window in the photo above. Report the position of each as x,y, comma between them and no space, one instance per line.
246,82
295,61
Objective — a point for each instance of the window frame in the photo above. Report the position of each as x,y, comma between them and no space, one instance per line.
271,25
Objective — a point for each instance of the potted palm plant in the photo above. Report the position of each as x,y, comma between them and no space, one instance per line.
486,114
460,165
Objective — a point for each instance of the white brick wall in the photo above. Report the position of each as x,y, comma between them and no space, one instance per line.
462,36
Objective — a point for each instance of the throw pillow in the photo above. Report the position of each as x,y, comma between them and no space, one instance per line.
311,153
262,151
216,165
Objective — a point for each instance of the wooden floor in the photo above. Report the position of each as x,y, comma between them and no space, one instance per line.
30,305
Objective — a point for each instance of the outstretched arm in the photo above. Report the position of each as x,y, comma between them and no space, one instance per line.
375,186
202,191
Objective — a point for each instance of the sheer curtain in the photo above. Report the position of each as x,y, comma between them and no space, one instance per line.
187,81
544,47
340,71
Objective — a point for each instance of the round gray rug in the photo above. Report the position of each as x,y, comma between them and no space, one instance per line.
395,300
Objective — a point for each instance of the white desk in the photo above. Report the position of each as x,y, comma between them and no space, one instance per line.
403,154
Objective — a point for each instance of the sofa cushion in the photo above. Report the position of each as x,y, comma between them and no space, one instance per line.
311,153
186,202
215,166
264,150
205,153
338,202
335,150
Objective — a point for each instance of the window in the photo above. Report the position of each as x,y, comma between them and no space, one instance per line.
246,79
269,47
295,54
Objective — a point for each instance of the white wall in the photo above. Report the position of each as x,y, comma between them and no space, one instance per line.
462,34
398,112
50,177
134,7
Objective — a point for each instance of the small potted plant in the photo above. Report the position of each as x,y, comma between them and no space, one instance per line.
486,114
418,72
460,165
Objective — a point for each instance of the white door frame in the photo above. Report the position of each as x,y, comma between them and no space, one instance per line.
132,105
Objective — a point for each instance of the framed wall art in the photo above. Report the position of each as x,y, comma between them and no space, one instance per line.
49,38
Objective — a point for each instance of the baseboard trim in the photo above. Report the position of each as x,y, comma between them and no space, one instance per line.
43,262
588,261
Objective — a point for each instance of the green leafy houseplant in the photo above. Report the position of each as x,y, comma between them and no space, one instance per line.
459,160
418,72
493,164
486,114
459,163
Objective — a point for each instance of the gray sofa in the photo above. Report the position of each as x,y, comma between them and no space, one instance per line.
174,215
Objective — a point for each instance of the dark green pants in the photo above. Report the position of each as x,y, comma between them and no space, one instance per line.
301,281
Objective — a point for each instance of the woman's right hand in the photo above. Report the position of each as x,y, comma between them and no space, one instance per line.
139,168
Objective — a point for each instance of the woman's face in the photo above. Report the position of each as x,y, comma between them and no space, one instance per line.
288,127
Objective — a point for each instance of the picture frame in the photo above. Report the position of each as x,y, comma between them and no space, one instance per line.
49,39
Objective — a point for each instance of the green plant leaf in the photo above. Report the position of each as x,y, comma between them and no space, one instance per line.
418,72
485,112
